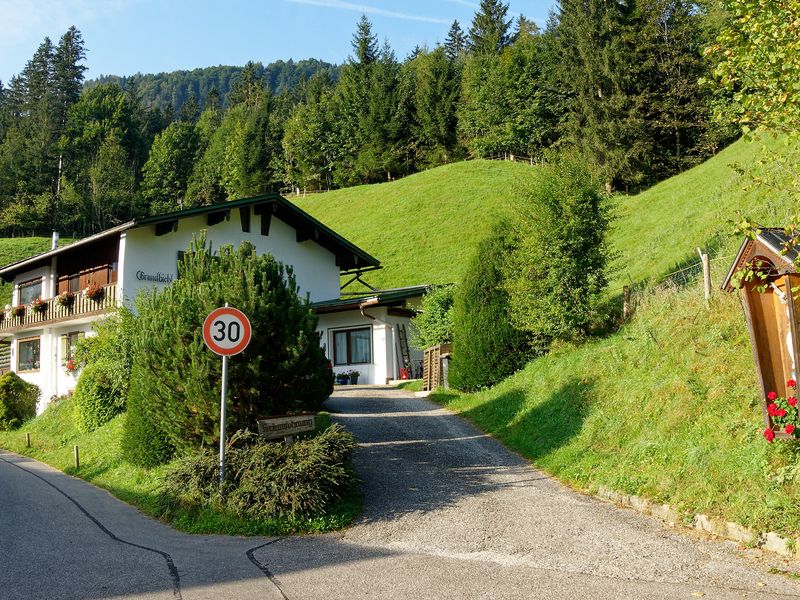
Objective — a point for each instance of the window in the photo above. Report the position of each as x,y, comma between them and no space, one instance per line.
352,346
28,354
68,343
30,291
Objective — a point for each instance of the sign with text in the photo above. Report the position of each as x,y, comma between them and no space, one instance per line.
278,427
226,331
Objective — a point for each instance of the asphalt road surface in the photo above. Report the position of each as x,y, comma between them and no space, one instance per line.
448,513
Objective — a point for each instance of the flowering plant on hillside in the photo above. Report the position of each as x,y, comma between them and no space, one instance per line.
783,414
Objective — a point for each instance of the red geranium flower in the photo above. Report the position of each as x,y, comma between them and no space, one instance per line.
772,396
789,429
772,409
792,401
791,383
769,435
781,412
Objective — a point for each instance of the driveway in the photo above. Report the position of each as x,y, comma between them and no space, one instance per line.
448,513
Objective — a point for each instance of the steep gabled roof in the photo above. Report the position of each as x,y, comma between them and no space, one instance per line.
349,257
770,240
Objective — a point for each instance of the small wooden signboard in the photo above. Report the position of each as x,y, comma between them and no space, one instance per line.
273,428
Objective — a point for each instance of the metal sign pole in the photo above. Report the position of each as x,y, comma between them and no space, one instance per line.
222,412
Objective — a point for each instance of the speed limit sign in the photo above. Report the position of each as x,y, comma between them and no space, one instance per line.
226,331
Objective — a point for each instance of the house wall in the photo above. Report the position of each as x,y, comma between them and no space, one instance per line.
51,378
386,355
144,253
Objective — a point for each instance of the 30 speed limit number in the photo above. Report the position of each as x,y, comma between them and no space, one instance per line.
226,331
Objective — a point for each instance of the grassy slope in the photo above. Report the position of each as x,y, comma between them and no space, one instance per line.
423,228
14,249
666,407
53,435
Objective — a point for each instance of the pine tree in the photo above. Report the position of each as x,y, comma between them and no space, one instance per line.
190,111
247,88
456,42
365,43
68,72
489,32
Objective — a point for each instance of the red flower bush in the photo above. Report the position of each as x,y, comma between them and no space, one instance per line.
783,414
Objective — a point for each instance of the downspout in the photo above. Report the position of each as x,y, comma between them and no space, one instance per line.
366,304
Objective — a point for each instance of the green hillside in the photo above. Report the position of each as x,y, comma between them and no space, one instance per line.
14,249
423,228
667,407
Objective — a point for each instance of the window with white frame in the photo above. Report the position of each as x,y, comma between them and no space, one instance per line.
30,290
352,346
28,354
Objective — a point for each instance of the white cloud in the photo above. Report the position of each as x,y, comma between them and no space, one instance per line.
370,10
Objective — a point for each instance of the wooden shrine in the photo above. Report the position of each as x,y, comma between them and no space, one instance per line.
771,311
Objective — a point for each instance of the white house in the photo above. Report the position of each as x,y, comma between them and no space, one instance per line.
366,334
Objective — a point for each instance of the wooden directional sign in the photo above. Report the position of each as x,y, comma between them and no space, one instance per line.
281,427
226,331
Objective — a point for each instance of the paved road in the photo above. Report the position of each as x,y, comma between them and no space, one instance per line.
449,513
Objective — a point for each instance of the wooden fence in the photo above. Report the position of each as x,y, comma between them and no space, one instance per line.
432,366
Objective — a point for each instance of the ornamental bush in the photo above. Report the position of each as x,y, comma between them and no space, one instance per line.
175,386
18,400
105,359
486,346
97,398
434,325
556,273
267,479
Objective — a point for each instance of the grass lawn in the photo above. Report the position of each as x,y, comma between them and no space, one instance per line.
53,436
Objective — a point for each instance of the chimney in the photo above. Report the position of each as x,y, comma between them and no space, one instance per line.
55,240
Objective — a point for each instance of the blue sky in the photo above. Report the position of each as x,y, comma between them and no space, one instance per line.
126,36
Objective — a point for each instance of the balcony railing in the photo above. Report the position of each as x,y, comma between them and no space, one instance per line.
52,311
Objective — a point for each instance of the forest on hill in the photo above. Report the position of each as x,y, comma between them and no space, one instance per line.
617,83
170,91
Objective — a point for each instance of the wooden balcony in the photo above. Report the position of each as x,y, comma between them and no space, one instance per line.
81,306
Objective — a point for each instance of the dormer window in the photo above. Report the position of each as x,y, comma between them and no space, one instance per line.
30,290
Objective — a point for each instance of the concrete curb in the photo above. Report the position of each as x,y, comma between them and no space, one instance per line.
770,541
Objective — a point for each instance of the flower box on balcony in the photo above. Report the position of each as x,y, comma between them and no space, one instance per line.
94,292
65,299
18,311
39,306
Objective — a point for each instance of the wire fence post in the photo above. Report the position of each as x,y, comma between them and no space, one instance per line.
627,309
706,275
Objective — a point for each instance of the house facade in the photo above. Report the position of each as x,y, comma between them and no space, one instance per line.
59,294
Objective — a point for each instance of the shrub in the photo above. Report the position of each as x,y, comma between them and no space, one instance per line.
486,346
18,400
112,345
97,399
267,479
556,273
434,325
283,370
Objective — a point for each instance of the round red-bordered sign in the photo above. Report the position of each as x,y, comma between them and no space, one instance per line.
226,331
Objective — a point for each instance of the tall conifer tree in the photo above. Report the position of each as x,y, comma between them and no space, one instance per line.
456,42
489,33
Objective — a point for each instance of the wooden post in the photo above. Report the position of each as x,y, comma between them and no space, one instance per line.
706,275
28,439
77,459
627,309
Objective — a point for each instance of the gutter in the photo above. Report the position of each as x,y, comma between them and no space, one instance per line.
367,303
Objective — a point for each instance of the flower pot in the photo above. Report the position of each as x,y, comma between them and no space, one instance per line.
342,379
354,379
